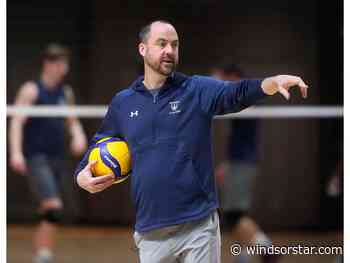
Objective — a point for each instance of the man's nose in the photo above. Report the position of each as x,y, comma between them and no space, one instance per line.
169,49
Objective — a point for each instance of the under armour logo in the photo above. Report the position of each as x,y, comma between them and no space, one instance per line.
132,114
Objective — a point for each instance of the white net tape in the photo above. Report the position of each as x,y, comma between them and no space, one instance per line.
97,111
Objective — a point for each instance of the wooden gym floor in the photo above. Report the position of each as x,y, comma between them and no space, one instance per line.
111,245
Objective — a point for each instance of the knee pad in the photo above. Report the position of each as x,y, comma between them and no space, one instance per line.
52,215
234,217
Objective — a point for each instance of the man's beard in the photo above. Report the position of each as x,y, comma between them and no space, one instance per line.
161,68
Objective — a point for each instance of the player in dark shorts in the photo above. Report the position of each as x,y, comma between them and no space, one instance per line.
37,144
236,175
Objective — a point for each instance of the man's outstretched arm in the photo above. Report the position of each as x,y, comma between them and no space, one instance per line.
221,97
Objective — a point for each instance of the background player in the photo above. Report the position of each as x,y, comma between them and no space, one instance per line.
37,144
236,175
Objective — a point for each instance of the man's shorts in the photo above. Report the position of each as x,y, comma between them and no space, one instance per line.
237,190
45,176
194,242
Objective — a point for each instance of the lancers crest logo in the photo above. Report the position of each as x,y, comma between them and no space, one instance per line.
174,106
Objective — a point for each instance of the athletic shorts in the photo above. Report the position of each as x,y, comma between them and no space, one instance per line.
193,242
237,191
45,176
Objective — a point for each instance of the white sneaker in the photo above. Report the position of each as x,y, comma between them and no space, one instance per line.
43,256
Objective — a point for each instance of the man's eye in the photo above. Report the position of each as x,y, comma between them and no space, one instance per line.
162,44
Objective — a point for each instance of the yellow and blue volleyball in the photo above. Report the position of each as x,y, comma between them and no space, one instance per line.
113,157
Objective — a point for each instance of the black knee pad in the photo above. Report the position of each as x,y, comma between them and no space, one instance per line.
233,217
52,215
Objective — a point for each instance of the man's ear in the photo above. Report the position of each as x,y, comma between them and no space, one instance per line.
142,49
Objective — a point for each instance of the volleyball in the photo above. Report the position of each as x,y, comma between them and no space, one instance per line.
112,156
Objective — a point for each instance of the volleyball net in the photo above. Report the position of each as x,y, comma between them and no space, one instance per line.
98,111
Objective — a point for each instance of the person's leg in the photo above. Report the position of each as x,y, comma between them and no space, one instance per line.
245,230
68,190
156,246
201,241
237,189
239,179
44,186
44,236
242,230
247,233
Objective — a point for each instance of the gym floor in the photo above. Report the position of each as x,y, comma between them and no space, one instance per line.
115,244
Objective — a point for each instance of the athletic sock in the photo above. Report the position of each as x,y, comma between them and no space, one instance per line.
262,239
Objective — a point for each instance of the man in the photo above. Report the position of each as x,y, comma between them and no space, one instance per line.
37,144
237,174
165,117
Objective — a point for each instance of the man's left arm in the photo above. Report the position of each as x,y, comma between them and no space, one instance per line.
78,138
221,97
